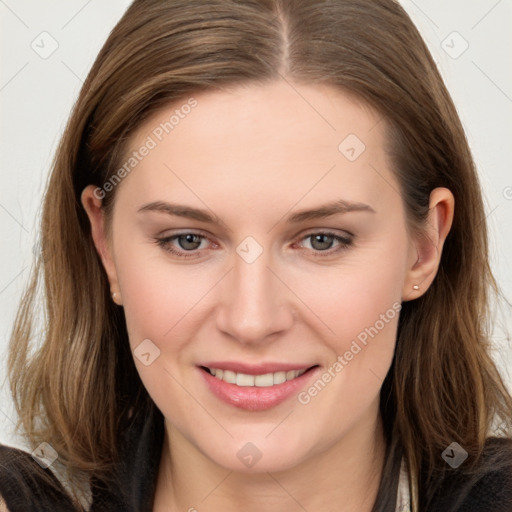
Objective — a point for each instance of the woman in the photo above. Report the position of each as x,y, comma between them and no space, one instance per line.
266,276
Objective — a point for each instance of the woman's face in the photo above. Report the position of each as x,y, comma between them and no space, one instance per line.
261,232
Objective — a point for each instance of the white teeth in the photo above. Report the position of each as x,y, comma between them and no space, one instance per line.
261,381
264,381
243,379
229,376
279,377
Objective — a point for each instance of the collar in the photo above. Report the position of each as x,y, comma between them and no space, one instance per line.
403,498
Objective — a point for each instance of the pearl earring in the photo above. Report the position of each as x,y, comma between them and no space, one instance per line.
415,287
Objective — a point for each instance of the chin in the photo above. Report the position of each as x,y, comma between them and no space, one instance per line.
259,455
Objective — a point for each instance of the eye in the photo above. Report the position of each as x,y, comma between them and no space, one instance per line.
322,242
188,243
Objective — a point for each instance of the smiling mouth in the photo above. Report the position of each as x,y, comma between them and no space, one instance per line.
261,381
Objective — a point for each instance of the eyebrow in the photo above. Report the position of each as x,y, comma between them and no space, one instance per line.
321,212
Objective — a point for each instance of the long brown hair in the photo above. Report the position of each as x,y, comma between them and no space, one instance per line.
76,387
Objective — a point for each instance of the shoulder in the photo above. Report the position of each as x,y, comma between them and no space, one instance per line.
26,486
481,488
492,488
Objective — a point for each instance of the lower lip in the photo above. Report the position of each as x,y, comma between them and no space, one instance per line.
253,398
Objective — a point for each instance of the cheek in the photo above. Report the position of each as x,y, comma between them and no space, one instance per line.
358,306
362,291
156,294
160,302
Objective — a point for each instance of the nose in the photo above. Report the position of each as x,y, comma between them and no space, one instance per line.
254,302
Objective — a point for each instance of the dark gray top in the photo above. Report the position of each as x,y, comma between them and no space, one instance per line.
26,487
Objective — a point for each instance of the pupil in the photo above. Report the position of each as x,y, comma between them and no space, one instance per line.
188,239
324,244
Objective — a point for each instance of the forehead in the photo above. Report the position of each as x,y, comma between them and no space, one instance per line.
267,138
291,113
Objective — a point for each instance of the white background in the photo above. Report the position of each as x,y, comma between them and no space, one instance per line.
36,96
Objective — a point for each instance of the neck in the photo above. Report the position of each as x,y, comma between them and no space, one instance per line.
344,478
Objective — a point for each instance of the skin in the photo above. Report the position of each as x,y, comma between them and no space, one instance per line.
252,155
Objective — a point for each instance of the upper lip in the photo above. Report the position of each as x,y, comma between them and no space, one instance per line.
255,369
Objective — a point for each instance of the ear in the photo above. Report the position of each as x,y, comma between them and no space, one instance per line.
92,203
427,247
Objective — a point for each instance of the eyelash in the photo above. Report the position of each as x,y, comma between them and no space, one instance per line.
345,243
